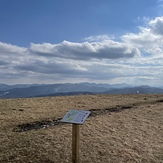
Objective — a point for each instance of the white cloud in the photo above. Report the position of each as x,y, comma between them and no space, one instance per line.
99,38
66,60
107,49
136,59
157,25
11,49
149,39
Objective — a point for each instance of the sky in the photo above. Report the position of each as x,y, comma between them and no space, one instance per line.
73,41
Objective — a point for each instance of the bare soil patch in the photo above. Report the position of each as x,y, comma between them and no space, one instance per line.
121,128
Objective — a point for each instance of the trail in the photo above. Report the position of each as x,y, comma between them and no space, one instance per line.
94,113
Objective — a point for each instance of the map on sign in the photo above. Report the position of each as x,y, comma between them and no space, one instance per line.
75,116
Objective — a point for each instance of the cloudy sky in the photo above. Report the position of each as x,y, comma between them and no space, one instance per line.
102,41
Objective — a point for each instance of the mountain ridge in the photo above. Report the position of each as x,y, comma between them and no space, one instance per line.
41,90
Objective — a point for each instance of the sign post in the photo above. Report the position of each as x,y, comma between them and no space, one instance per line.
75,143
76,118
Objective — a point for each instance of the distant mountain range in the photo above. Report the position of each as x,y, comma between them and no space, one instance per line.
41,90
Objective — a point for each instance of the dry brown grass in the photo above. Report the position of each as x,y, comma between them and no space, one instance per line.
131,135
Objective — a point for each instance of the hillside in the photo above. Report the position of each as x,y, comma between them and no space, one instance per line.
121,128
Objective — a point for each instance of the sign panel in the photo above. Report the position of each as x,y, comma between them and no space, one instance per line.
75,116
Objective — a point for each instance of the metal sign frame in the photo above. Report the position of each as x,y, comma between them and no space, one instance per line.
76,116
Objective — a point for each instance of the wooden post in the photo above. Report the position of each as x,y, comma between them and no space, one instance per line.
75,143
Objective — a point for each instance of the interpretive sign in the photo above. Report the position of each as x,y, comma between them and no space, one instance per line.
75,116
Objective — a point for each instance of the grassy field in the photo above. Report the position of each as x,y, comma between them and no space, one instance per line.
121,129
